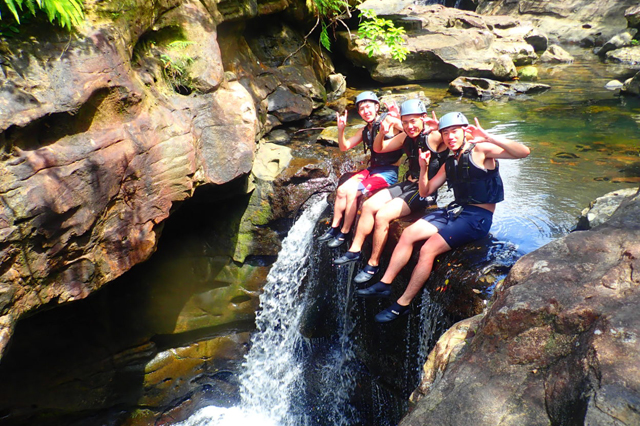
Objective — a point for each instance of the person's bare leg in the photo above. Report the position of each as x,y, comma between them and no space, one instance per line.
420,230
390,211
340,203
433,247
350,211
367,218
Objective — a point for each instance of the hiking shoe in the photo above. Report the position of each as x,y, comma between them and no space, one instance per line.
379,289
366,274
392,313
349,256
338,240
331,233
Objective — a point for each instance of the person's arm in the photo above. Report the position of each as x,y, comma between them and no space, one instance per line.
380,144
428,186
495,146
353,140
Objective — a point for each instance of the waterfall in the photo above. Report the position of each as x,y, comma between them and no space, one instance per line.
271,385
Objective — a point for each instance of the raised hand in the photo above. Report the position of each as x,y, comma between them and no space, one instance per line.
424,157
385,126
476,132
432,123
393,109
341,119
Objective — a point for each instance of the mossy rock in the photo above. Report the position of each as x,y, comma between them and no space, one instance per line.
528,73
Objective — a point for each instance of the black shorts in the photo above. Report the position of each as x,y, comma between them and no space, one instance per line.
472,223
409,192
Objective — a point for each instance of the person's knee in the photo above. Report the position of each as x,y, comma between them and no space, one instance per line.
343,191
428,252
385,217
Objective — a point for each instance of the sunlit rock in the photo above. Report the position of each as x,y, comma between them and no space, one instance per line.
556,54
484,88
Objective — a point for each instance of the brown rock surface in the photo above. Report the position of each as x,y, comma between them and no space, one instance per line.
559,344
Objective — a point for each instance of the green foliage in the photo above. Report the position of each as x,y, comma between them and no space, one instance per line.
331,8
66,13
324,37
635,42
378,33
175,64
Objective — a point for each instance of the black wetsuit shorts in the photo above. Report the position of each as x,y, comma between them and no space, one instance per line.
409,192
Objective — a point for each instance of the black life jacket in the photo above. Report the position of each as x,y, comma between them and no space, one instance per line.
470,183
378,158
411,147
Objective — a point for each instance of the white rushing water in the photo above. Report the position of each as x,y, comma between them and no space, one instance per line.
273,370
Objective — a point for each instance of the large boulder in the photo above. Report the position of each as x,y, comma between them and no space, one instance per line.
445,43
566,21
484,88
632,85
558,345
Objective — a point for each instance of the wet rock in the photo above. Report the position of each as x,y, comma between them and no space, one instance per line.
626,55
556,54
559,343
632,85
444,353
618,41
484,88
329,135
601,209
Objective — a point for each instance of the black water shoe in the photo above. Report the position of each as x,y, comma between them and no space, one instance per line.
366,274
347,257
330,234
339,240
379,289
393,312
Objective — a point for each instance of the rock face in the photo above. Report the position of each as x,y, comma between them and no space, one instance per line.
104,131
559,344
445,43
566,21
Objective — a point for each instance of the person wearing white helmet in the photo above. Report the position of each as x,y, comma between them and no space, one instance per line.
420,135
382,171
472,171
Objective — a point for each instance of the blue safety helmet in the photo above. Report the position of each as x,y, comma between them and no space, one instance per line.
412,106
452,119
367,96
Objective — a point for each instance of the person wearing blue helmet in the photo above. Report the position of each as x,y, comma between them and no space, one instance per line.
420,135
472,171
382,170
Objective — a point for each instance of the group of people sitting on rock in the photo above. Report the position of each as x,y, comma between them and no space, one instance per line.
447,150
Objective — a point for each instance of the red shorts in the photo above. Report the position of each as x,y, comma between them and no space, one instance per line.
374,179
